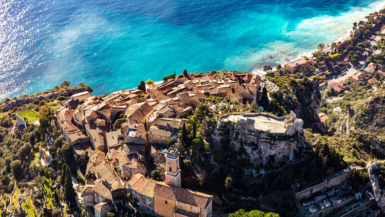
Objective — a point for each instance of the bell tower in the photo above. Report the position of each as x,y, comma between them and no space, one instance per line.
172,176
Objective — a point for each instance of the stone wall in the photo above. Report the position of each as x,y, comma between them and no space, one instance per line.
325,184
377,191
19,102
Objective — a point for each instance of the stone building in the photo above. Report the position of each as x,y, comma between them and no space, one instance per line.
169,199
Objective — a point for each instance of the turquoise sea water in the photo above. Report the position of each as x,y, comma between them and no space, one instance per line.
114,44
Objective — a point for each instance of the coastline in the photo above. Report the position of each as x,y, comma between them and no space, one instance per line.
341,39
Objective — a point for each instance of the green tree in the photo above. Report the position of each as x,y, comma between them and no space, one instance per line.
197,143
278,67
267,68
228,182
16,168
65,84
254,106
142,86
328,92
69,192
184,135
293,84
194,134
149,81
321,46
185,73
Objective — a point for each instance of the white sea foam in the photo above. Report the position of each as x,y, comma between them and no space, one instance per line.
310,32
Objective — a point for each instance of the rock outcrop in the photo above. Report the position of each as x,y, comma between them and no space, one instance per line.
19,102
378,194
307,105
263,137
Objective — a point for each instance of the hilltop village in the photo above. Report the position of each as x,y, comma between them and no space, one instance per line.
303,139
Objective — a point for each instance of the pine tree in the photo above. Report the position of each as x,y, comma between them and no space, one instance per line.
69,192
194,130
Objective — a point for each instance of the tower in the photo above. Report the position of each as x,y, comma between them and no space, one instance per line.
172,176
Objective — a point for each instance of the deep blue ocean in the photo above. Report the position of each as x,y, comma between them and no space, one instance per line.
114,44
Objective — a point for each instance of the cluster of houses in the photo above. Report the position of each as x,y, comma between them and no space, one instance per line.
115,132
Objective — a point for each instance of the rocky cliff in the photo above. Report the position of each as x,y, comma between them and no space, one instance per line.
378,193
300,96
263,137
19,102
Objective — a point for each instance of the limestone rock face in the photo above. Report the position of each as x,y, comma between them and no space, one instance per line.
259,146
19,102
378,194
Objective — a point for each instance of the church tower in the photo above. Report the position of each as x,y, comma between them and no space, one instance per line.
172,176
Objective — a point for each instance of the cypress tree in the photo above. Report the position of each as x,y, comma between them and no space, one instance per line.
62,178
184,136
185,73
194,130
69,192
142,86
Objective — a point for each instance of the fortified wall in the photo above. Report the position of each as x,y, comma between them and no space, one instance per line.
263,136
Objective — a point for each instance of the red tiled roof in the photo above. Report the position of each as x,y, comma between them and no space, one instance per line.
182,195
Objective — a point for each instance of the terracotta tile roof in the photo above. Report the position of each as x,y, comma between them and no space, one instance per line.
184,97
106,173
139,185
154,130
88,189
182,195
135,113
120,155
157,95
101,207
117,185
102,190
96,157
97,135
148,189
134,179
91,115
172,123
112,138
78,115
213,91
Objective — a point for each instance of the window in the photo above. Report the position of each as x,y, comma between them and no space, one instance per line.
169,169
164,115
152,140
165,202
149,199
106,207
160,141
165,138
144,197
160,137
